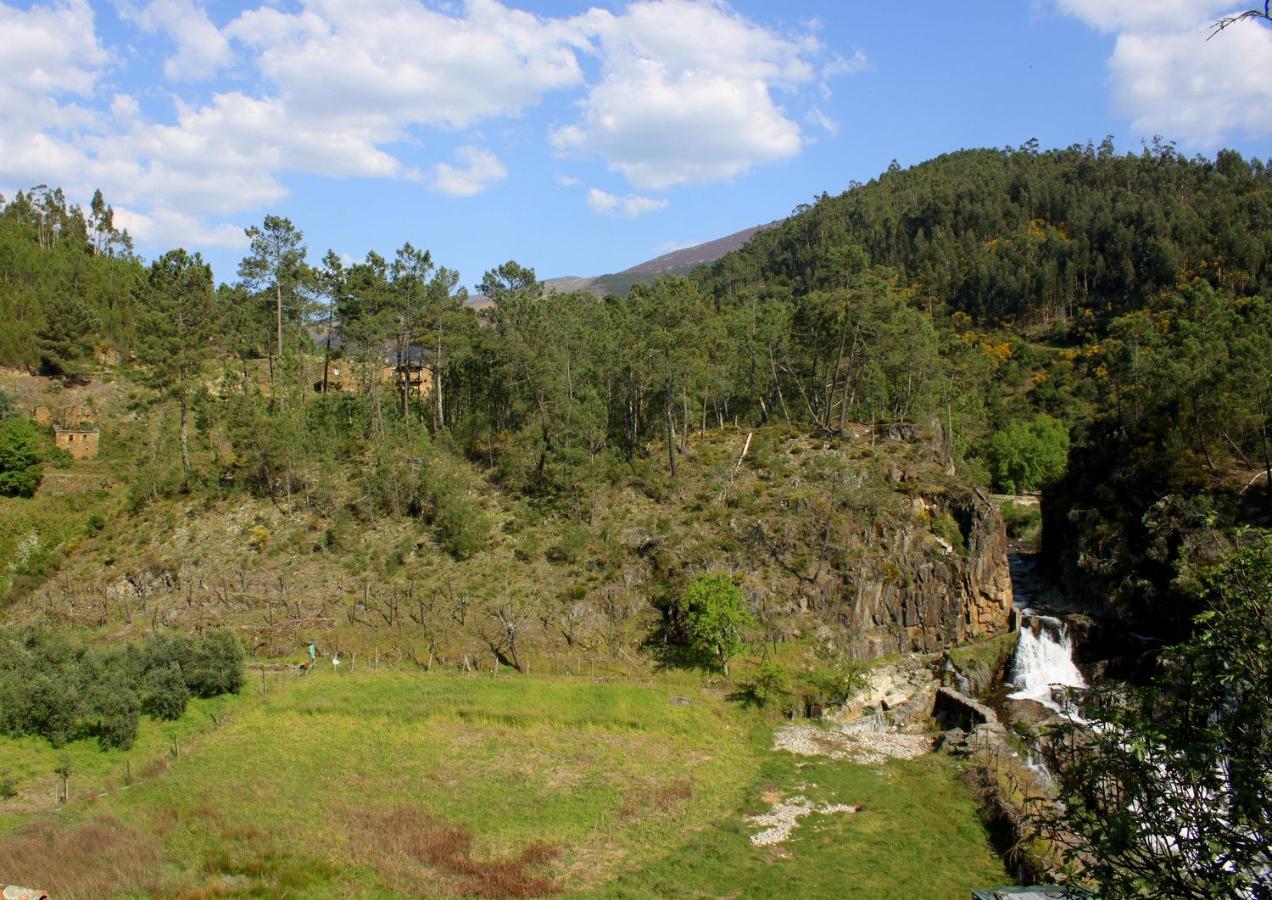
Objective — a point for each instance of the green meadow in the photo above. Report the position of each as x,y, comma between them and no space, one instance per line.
380,784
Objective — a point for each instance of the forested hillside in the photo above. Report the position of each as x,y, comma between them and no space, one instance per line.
67,282
1007,303
1125,295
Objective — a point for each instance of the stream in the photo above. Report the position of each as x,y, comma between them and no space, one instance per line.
1043,667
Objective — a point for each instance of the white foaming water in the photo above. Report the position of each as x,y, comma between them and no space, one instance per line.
1043,662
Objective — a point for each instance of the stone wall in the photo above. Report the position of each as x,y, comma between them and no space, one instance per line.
81,444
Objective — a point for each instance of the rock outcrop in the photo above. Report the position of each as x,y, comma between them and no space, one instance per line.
940,598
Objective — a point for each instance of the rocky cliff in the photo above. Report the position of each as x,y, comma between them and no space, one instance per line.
943,598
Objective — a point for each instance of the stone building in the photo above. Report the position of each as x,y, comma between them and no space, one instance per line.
81,443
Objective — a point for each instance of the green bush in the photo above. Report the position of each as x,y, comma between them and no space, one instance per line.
713,615
21,466
164,694
47,704
114,712
460,524
1025,456
944,527
771,686
1022,522
217,665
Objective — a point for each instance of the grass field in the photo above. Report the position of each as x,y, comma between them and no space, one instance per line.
385,784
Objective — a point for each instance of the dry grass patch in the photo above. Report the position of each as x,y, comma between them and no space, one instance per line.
655,798
401,840
98,858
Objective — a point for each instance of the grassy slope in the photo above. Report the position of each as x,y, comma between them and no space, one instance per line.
304,791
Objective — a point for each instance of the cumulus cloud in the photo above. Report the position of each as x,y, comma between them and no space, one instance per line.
477,170
675,92
1168,79
629,207
170,228
686,93
201,49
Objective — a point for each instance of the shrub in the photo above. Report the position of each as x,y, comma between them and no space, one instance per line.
217,665
33,702
164,694
713,614
20,458
1025,456
114,712
461,525
161,650
944,527
772,686
1022,522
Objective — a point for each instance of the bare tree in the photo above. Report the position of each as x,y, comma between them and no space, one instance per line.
1250,15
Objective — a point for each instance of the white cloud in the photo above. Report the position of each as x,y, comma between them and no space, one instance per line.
683,91
404,63
686,93
478,170
169,228
202,50
568,181
823,121
1167,79
1144,15
849,65
629,207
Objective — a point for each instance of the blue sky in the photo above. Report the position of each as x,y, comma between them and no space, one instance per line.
577,138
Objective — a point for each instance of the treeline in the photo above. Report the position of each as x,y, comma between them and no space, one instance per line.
62,690
1028,237
67,282
997,298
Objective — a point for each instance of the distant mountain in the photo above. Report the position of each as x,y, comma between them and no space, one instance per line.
677,262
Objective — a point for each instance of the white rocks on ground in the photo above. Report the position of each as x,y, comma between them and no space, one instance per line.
781,820
867,748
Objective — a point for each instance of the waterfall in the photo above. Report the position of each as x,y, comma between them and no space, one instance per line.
1044,662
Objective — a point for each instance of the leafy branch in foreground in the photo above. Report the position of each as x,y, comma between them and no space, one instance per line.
1166,790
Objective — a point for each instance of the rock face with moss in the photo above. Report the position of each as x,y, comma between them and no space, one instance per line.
922,602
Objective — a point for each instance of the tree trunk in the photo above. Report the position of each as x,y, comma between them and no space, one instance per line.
437,382
184,406
278,321
671,437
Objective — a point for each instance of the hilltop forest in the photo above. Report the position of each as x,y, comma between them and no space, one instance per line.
1013,303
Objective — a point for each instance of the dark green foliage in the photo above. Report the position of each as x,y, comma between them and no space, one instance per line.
1025,456
1183,450
164,694
461,525
216,666
1168,788
113,710
67,286
60,690
20,457
713,616
44,703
